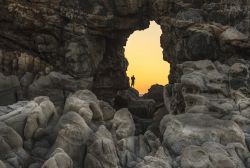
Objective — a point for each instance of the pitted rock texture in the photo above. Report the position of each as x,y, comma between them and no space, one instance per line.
35,134
58,159
72,140
58,49
83,41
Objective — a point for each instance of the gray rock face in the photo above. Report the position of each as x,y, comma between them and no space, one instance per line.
85,40
101,151
134,149
10,89
72,134
158,160
72,139
31,119
39,118
2,165
61,48
214,155
123,124
195,129
11,145
57,86
85,103
58,159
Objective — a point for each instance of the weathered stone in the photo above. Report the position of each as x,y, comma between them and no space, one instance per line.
10,89
55,48
211,155
56,85
123,124
101,152
2,165
39,118
138,106
87,105
72,134
156,93
107,110
58,159
188,129
132,150
11,146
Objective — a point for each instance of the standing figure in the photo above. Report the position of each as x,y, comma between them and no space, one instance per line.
133,81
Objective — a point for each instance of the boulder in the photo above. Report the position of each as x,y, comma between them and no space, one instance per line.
143,108
79,106
107,110
16,119
101,150
86,104
31,119
72,134
204,88
138,106
155,92
132,150
188,129
6,109
2,165
39,118
159,160
124,97
232,34
122,124
55,85
11,146
58,159
212,154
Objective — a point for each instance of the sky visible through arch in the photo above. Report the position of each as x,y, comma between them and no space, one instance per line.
144,54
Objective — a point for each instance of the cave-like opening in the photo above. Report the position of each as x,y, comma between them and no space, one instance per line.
144,54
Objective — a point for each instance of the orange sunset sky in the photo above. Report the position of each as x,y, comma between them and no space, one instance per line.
144,55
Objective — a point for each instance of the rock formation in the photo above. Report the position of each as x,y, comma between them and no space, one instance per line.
63,85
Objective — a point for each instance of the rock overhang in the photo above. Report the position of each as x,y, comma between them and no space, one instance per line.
88,37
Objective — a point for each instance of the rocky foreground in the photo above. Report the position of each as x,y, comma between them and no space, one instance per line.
90,133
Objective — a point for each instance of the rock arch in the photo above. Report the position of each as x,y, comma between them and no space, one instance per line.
84,41
56,47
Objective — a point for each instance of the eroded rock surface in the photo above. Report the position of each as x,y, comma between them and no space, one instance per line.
195,129
61,48
102,151
71,139
58,159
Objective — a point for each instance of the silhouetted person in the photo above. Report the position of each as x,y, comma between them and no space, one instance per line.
133,81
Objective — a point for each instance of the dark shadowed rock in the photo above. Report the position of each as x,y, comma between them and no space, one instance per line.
138,106
156,93
61,48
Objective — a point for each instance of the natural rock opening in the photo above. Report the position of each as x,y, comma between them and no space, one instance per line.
60,50
145,58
